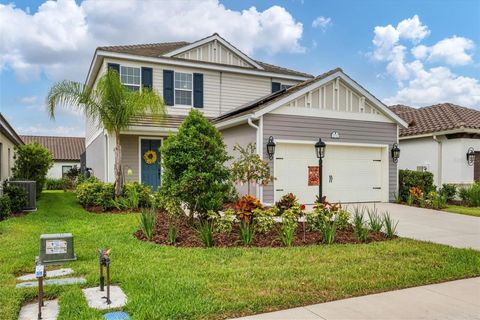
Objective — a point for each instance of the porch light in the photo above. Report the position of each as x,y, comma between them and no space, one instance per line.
395,153
320,148
471,156
270,147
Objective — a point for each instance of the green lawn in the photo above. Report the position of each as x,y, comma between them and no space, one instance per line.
180,283
470,211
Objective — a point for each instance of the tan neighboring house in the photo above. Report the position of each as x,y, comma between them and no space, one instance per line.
251,101
438,139
9,139
66,152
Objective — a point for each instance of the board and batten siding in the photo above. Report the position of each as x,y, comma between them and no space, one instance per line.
301,128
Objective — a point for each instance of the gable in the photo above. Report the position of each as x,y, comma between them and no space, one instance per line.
214,52
334,99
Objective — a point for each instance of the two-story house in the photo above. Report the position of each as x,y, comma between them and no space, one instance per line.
251,101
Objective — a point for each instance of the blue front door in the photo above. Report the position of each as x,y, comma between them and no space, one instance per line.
150,158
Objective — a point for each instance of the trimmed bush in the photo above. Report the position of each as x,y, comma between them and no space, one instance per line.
138,195
96,194
18,197
449,191
408,179
5,207
54,184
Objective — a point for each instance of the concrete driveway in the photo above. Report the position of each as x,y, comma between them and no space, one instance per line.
452,229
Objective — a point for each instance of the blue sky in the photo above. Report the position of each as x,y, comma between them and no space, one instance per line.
412,52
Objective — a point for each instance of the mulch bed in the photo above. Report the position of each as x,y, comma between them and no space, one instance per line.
98,209
187,236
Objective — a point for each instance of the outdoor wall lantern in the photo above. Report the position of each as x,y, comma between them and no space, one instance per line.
320,151
470,156
395,153
270,147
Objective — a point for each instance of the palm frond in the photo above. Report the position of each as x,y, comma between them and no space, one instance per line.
71,95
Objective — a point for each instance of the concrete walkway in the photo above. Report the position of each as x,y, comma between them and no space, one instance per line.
450,300
452,229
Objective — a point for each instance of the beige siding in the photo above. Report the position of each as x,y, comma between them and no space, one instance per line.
239,89
6,157
241,135
214,52
130,156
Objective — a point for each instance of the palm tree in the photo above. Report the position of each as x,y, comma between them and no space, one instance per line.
110,104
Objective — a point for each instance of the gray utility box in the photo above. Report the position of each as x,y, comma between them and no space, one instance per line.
31,188
56,248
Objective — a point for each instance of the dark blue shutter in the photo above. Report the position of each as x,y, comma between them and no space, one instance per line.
198,90
168,87
275,86
147,77
114,66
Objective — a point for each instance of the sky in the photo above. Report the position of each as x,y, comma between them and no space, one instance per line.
411,52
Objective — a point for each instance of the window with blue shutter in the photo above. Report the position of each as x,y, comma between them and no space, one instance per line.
168,87
147,78
114,66
276,86
198,90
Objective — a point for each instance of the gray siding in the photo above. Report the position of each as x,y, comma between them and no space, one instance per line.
290,127
95,156
241,135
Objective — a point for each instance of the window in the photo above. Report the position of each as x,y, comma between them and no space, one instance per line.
130,77
65,170
183,88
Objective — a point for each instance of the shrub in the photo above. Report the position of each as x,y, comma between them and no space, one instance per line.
329,229
286,202
374,220
473,195
246,232
32,163
205,230
390,225
147,221
5,207
194,166
264,221
138,195
222,223
359,225
409,178
245,207
436,200
17,195
54,184
416,193
325,211
95,193
287,232
463,194
449,191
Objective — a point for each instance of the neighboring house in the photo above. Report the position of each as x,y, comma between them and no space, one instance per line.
438,139
65,151
9,139
249,101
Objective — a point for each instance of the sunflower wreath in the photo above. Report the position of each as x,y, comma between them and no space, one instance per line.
150,157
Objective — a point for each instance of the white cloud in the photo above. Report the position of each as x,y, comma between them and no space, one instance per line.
452,51
412,29
420,51
384,40
322,22
29,99
61,37
42,130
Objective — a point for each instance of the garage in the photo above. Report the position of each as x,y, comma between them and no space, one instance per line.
351,173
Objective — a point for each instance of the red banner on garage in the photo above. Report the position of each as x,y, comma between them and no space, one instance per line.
313,176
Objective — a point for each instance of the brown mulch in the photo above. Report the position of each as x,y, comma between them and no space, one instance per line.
98,209
187,236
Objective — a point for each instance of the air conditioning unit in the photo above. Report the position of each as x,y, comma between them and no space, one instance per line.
31,188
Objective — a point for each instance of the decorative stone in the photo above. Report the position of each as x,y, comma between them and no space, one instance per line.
50,274
97,299
49,282
118,315
49,311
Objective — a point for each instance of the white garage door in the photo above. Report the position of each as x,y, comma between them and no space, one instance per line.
350,173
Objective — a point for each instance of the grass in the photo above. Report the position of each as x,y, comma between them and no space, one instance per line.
469,211
196,283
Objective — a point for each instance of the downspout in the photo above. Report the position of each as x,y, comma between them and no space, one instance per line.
257,144
439,161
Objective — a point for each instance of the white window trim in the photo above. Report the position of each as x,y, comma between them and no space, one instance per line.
174,89
131,84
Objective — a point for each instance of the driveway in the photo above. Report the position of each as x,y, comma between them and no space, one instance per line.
450,300
452,229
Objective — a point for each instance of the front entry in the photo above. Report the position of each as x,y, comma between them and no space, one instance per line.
150,162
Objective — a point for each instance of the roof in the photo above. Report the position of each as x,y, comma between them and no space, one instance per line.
62,148
436,118
169,121
9,132
157,50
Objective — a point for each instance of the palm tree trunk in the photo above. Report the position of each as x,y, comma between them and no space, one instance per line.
118,166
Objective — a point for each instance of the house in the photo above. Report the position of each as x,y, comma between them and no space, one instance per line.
438,139
9,139
66,152
250,101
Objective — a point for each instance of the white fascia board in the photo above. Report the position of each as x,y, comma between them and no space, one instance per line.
95,136
441,133
390,114
199,64
209,39
146,130
232,122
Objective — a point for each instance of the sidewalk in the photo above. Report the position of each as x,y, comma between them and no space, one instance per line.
450,300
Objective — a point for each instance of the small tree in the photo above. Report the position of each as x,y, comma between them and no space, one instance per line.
194,166
32,163
249,167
